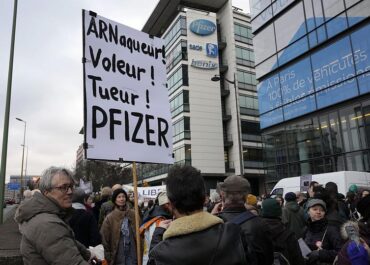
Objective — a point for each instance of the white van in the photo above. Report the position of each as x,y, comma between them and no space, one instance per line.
344,179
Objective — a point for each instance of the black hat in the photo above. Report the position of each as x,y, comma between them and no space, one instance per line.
290,196
271,208
363,207
116,193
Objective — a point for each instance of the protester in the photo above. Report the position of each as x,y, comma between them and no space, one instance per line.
321,237
233,192
284,240
293,215
83,222
89,203
251,204
118,232
280,200
195,236
352,252
107,206
365,193
105,195
158,213
337,212
46,236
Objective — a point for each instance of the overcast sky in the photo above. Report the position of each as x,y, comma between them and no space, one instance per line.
47,89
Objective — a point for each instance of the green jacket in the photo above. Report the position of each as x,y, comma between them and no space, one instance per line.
46,237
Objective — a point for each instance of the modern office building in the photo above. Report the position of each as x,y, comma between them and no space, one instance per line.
313,67
215,122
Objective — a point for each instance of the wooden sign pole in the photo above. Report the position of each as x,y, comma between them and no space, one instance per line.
137,218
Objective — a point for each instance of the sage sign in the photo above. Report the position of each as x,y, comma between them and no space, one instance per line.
202,27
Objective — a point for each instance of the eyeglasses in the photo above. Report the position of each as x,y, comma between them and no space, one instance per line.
65,188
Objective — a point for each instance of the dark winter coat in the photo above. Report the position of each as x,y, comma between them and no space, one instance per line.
46,236
364,228
255,235
293,218
198,239
331,242
97,207
284,241
85,227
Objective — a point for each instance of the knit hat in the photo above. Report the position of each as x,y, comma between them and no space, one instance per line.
251,199
314,202
162,198
116,193
271,208
353,188
363,207
290,196
235,183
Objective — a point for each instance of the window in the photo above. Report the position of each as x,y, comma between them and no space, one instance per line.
264,44
181,130
244,56
290,27
183,155
332,8
252,154
258,5
248,102
176,55
246,80
243,33
177,79
178,29
180,103
250,128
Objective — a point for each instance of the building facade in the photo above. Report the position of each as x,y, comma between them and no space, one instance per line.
313,68
211,88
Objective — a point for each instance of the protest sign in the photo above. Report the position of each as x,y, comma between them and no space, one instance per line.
127,113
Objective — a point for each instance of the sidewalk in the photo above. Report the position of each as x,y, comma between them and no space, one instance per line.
10,239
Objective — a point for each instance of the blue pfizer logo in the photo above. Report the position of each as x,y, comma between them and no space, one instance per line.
212,50
202,27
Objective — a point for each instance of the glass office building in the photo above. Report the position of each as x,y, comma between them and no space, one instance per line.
215,123
313,67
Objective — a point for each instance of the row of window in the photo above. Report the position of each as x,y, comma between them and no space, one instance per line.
296,31
322,79
176,55
177,79
178,29
248,102
181,130
244,56
325,136
243,33
180,103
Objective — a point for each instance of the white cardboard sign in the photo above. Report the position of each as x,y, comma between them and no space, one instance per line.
127,113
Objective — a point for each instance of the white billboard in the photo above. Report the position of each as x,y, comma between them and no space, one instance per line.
127,113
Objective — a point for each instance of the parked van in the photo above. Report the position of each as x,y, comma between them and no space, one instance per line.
344,179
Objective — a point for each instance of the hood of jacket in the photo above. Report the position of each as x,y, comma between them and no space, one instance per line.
274,226
293,206
39,203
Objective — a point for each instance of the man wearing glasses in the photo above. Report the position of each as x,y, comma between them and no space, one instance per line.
46,237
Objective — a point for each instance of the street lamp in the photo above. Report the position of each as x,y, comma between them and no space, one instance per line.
24,144
217,78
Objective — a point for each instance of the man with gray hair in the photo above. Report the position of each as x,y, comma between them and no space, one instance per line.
46,237
259,247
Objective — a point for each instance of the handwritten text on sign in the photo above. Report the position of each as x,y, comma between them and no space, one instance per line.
127,113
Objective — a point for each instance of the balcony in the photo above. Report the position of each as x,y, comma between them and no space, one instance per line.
228,140
226,115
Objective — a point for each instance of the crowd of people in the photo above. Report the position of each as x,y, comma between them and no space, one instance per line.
185,226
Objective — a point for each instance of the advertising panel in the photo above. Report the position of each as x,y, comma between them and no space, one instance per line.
271,118
269,96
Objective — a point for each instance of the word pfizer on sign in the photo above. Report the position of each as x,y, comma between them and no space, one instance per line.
202,27
127,113
204,64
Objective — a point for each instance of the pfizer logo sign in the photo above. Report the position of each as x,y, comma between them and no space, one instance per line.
202,27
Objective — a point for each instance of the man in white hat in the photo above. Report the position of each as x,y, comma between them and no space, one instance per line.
159,212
